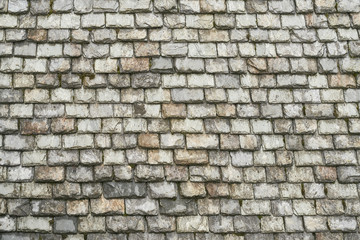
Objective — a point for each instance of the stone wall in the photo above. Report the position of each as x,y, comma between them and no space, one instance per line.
179,119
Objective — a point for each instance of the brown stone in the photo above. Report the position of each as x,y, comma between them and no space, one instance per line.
325,174
342,81
147,140
146,49
34,126
104,206
328,235
78,207
217,189
275,174
249,142
191,189
174,110
49,174
226,110
63,125
356,19
213,35
37,35
176,173
190,157
135,64
67,189
229,142
257,65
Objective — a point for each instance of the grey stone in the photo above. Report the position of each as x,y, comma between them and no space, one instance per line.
246,224
124,189
65,225
349,174
192,223
178,207
7,224
125,223
106,236
143,206
19,207
162,190
145,80
161,223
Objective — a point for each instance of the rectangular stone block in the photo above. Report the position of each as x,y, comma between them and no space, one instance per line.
192,224
124,189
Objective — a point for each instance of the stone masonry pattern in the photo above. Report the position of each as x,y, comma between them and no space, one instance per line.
179,119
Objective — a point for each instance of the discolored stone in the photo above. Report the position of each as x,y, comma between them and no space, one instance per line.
149,173
218,189
19,207
36,126
123,189
176,173
49,174
48,207
190,157
66,190
192,224
77,207
149,140
126,223
342,81
37,35
91,224
174,110
178,207
135,64
141,206
103,206
325,174
190,189
65,225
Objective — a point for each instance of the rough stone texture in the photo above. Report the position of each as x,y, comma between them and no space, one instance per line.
179,119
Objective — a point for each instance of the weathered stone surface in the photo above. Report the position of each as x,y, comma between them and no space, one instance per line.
188,119
126,223
190,157
162,190
67,189
149,140
91,224
19,207
190,189
103,206
77,207
65,225
37,224
195,141
149,173
161,224
7,224
49,174
192,224
115,190
143,206
247,224
135,64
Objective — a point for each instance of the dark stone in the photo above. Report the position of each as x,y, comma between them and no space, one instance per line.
123,189
178,207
